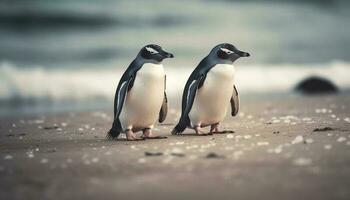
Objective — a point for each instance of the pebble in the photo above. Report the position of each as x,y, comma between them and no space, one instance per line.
298,139
147,153
347,119
306,119
229,136
262,143
302,161
327,146
8,157
308,141
44,160
247,137
141,160
180,143
30,154
213,155
276,121
277,150
95,160
341,139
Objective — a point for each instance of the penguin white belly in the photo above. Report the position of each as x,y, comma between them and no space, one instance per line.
213,98
144,100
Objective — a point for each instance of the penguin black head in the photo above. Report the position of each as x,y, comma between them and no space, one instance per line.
228,51
154,53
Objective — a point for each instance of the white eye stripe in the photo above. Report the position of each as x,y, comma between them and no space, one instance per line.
226,50
151,50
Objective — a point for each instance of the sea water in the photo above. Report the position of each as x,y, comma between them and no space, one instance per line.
66,55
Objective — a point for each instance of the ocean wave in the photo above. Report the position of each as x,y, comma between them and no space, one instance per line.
38,84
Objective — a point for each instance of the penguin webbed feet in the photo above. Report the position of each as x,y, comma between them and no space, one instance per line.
147,134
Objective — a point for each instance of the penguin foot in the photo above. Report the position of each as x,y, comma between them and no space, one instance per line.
147,134
214,128
130,136
198,130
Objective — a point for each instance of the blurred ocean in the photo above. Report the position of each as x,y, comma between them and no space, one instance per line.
69,54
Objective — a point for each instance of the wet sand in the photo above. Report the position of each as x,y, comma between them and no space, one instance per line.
283,147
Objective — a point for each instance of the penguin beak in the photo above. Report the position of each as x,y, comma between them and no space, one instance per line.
243,54
168,55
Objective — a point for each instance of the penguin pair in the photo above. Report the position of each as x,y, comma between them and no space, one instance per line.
141,100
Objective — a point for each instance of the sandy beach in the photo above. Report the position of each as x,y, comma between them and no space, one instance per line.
283,147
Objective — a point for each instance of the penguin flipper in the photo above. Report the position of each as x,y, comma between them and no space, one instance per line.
120,95
234,102
188,99
164,109
123,87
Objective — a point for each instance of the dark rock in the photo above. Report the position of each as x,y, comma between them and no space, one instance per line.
276,132
316,85
323,129
153,153
214,155
50,127
178,154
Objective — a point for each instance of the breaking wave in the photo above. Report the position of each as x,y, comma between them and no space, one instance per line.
55,85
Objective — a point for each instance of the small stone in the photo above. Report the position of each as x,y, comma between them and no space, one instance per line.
213,155
44,160
277,150
262,143
30,154
323,129
327,146
51,127
347,119
247,137
276,121
141,160
341,139
8,157
147,153
95,160
180,143
302,161
308,141
229,136
298,139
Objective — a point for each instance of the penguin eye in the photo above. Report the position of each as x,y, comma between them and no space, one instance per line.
151,50
226,51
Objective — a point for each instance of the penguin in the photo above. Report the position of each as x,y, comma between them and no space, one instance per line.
210,90
140,99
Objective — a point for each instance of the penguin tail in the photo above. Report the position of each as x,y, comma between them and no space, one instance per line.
179,128
113,133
